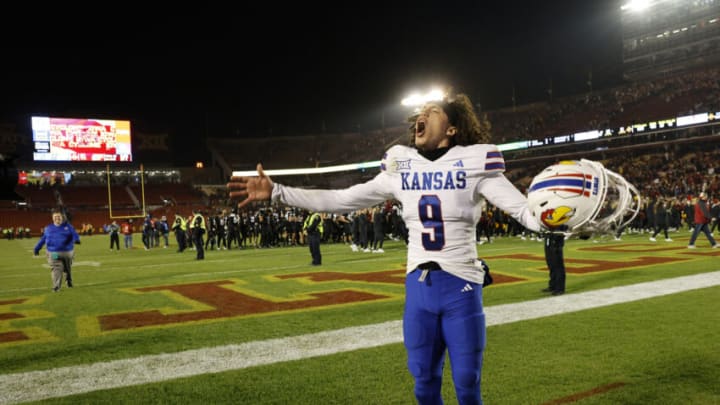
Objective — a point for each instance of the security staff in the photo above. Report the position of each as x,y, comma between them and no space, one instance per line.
313,227
180,228
114,231
197,225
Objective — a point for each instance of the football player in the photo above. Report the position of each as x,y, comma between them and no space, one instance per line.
440,180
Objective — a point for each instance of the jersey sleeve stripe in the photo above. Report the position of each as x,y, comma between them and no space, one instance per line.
494,166
494,160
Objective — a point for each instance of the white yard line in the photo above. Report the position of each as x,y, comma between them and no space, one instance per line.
64,381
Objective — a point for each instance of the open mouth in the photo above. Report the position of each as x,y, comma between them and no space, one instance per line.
419,128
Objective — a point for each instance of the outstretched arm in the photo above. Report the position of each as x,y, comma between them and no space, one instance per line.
261,188
255,188
500,192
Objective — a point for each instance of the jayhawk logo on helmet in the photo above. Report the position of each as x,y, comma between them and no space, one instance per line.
555,217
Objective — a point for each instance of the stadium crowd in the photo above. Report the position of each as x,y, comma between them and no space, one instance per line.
671,171
689,93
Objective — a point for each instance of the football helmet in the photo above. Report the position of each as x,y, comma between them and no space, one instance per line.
582,196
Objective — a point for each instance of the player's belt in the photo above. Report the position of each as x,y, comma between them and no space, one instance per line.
429,266
426,268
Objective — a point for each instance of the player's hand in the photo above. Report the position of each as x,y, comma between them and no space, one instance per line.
488,279
255,188
77,242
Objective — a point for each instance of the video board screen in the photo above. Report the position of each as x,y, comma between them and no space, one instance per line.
81,140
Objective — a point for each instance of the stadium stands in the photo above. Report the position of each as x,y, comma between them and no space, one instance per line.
37,197
173,190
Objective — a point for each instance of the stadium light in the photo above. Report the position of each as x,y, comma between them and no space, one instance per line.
312,170
418,99
636,6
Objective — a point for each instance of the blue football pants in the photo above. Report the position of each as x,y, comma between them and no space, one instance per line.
444,312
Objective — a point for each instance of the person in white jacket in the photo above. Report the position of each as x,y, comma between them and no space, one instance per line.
440,180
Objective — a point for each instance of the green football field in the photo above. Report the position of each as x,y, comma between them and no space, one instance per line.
639,324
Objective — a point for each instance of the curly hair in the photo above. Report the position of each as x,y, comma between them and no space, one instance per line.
461,115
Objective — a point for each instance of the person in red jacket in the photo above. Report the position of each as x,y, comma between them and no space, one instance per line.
702,219
127,231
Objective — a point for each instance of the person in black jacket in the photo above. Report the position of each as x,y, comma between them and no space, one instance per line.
715,214
180,229
661,214
378,229
114,231
198,229
554,245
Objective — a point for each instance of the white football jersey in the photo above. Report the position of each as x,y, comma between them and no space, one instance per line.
441,201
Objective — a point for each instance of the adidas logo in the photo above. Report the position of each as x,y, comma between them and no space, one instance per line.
459,163
467,288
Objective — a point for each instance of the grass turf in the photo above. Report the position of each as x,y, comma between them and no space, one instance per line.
660,350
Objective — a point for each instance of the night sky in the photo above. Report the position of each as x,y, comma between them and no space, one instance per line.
302,69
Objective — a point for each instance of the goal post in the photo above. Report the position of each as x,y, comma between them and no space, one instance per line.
141,200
